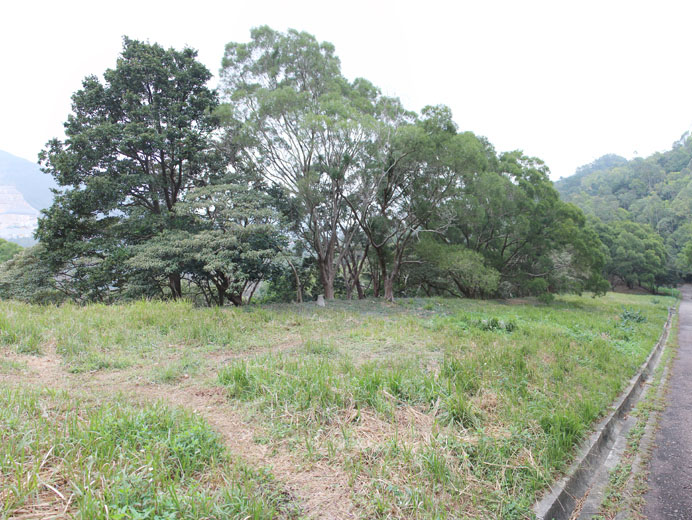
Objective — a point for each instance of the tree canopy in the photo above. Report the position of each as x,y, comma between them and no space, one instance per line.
8,250
139,155
289,182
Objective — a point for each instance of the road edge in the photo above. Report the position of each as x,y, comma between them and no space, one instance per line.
561,499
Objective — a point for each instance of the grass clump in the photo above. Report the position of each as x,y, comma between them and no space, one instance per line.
632,316
317,388
171,373
494,324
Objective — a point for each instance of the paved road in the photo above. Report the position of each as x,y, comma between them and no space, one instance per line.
670,480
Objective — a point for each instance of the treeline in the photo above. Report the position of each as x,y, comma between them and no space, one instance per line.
641,210
289,181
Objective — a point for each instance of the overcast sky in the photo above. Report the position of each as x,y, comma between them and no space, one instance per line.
563,81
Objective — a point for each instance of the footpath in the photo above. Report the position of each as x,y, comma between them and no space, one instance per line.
670,477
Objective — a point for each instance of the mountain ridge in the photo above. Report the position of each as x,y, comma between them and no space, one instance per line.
24,191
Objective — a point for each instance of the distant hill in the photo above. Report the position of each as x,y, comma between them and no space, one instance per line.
655,191
27,177
24,190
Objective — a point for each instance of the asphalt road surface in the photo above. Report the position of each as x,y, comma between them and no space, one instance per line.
670,478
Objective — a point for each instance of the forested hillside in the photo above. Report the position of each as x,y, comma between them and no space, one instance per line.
642,210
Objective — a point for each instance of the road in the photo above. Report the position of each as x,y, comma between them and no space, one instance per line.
670,478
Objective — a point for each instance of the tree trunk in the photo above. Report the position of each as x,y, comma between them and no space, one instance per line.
359,288
175,284
327,278
384,279
329,290
348,275
376,283
299,286
252,292
389,289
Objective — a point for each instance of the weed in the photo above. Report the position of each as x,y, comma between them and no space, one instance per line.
319,348
173,372
632,315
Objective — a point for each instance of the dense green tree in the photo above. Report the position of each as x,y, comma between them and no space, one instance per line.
136,143
637,254
230,247
26,277
411,175
512,215
8,250
452,269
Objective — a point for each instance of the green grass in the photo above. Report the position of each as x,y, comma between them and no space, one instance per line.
433,408
669,291
113,460
175,371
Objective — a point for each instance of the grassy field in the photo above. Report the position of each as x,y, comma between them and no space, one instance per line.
425,408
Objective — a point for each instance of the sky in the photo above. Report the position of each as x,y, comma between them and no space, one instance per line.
563,81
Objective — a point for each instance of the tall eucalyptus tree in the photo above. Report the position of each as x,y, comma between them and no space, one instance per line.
304,127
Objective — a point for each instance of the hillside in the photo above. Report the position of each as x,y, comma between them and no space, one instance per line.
17,217
24,190
28,178
654,193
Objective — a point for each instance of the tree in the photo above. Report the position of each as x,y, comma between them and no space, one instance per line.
413,169
304,127
136,144
510,213
8,250
229,248
455,270
26,277
637,254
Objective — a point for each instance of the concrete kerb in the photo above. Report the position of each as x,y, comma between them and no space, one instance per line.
559,503
641,460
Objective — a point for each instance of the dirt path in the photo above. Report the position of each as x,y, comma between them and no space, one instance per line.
670,478
322,491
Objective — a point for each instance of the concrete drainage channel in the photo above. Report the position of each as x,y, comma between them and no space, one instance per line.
579,494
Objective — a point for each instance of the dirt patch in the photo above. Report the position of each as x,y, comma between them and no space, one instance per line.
45,369
323,491
627,290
